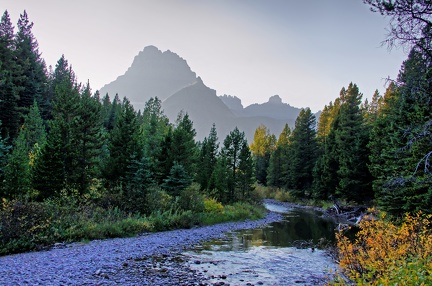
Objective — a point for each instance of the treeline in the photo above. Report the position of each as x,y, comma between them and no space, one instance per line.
359,151
57,136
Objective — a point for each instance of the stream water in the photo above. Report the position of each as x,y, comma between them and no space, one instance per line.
283,253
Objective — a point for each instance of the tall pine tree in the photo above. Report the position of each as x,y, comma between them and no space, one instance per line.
238,168
304,153
262,147
279,160
123,144
207,158
89,141
9,72
33,78
351,138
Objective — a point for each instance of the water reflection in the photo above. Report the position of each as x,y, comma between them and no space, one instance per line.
267,254
298,225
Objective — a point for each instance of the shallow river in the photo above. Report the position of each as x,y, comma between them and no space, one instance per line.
283,253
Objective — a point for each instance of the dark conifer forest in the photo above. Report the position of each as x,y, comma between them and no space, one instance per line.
68,153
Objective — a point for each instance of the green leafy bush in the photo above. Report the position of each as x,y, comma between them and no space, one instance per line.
23,226
158,200
191,199
283,196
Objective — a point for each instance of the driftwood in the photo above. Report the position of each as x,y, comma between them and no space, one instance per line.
352,215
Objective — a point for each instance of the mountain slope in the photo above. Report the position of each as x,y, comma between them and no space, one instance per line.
274,108
152,73
202,105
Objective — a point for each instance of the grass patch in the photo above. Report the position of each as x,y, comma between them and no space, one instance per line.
235,212
283,195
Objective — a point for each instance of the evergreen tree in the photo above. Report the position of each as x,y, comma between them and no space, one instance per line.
325,178
341,168
407,190
17,180
9,114
351,138
106,110
33,77
4,149
49,171
34,130
232,157
138,180
371,109
123,144
279,160
304,153
6,39
403,123
56,168
65,117
262,147
207,158
183,146
177,181
62,72
245,172
153,129
27,145
164,161
324,123
218,183
384,158
116,107
88,126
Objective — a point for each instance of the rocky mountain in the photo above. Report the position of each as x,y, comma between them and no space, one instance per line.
168,76
203,106
153,73
273,108
233,102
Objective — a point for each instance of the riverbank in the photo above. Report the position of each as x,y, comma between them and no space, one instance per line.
151,259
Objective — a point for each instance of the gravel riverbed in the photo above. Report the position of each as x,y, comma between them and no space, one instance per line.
149,259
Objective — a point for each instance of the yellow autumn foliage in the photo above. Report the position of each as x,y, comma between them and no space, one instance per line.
211,205
384,253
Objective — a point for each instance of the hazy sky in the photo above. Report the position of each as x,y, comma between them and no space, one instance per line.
303,50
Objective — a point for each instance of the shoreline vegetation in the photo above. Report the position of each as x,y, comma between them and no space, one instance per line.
33,226
30,226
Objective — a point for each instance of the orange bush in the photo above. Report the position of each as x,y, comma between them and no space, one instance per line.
387,254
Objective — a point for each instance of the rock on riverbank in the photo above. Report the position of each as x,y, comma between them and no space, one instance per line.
150,259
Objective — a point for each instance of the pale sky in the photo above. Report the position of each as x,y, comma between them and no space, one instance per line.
303,50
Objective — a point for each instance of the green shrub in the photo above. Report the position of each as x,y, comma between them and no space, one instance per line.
283,196
158,200
263,192
23,226
191,199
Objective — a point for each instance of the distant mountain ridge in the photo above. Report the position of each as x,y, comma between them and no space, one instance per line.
169,77
153,73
